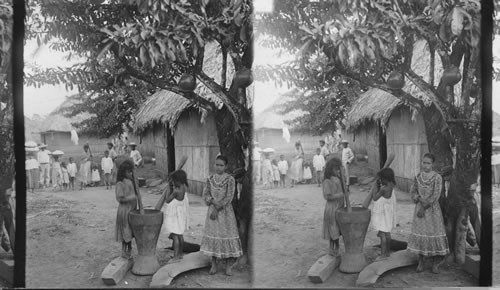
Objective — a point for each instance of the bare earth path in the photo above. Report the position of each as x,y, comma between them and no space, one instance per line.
70,240
287,240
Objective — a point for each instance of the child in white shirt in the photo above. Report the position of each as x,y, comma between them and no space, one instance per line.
319,165
283,168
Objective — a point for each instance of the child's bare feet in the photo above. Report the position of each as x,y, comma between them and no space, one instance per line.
420,267
213,270
435,268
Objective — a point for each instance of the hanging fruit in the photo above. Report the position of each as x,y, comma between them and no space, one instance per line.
187,83
243,78
451,76
396,80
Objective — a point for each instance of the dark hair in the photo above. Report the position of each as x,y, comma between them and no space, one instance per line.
125,166
331,168
430,156
446,171
223,158
63,164
322,141
386,175
106,151
178,177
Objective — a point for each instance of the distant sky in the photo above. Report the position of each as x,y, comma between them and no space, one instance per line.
44,100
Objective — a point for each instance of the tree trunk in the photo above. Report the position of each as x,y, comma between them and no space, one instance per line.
6,170
439,139
232,142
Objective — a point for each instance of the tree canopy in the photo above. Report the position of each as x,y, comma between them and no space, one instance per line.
132,48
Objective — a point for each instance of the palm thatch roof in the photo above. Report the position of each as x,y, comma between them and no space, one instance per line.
166,107
373,105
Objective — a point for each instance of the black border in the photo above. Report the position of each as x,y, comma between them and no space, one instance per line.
17,81
486,268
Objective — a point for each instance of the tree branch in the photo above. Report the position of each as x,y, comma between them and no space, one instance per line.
234,107
163,84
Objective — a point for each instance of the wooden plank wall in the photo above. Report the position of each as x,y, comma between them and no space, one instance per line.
365,141
199,143
407,140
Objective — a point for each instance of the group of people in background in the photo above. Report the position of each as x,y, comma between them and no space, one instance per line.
52,172
272,173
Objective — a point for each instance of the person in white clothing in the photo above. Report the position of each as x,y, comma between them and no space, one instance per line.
384,209
72,170
347,158
324,150
319,164
107,168
283,168
44,161
176,212
135,155
256,162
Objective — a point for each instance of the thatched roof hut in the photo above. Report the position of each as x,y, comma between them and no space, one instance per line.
373,105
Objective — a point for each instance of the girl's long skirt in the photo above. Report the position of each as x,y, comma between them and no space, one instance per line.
220,237
297,171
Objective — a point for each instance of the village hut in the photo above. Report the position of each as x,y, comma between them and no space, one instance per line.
172,126
379,124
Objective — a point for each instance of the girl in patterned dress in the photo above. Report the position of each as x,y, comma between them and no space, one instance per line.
428,236
125,195
334,195
220,236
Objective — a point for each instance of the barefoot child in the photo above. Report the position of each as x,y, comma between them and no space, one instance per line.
72,171
307,173
65,175
428,235
319,164
107,167
283,167
384,209
220,236
177,212
127,199
334,195
276,173
96,177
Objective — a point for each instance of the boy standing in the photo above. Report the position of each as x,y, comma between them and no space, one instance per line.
72,173
319,164
347,158
107,167
283,168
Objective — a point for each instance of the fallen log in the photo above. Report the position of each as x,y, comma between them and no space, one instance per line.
372,272
164,276
116,271
323,268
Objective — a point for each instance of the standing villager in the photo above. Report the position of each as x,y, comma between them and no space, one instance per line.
267,171
297,170
85,167
72,171
256,162
334,196
383,217
220,236
325,152
319,164
57,178
127,199
347,158
428,236
177,212
113,155
135,155
44,161
31,172
107,168
283,168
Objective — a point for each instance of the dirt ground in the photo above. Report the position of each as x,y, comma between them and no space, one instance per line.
288,241
70,240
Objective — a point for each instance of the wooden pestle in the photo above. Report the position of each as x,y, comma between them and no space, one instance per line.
160,202
346,192
139,198
375,188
